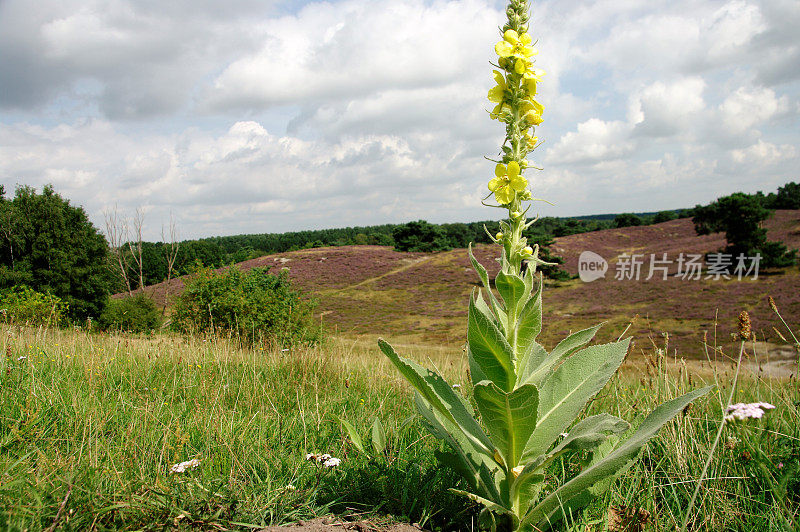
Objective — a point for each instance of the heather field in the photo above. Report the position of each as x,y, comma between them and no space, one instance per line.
367,291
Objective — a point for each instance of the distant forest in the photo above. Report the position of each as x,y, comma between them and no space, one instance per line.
221,251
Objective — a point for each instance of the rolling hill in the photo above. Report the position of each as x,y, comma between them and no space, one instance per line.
369,291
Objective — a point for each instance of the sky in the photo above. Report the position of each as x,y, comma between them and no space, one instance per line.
254,116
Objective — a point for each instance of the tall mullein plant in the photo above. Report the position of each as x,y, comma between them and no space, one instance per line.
528,398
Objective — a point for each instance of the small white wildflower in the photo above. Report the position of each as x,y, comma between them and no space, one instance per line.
742,411
323,457
20,359
311,456
332,462
185,466
456,386
564,434
290,487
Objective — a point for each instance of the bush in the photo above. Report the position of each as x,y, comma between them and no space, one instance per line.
23,304
254,307
133,314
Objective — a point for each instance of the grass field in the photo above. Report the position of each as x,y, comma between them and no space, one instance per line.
90,425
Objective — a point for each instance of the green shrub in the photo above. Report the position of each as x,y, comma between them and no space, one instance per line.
23,304
134,314
254,307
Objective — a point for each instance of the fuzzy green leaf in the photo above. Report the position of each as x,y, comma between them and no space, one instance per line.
467,459
574,341
533,357
489,349
591,432
510,417
484,276
530,319
441,396
563,395
512,290
549,509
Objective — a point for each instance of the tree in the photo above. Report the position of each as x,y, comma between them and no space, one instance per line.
788,197
420,236
739,216
52,247
664,216
627,220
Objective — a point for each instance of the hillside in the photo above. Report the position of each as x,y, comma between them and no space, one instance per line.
374,290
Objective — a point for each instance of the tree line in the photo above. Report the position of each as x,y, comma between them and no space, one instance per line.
50,246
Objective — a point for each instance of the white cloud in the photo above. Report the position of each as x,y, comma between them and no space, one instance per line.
748,107
594,141
345,50
764,153
664,109
247,116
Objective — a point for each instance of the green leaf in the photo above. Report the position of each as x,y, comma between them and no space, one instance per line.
378,436
440,395
533,357
484,276
353,433
574,341
510,417
478,470
591,432
487,503
489,348
530,319
549,509
512,290
497,316
563,395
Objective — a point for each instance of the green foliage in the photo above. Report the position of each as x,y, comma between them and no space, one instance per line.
21,304
739,216
528,398
664,216
137,313
420,236
255,307
627,220
787,197
51,246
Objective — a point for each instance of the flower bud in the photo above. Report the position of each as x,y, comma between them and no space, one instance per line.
498,236
528,251
516,214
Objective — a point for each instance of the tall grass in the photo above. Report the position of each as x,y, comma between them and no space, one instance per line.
90,425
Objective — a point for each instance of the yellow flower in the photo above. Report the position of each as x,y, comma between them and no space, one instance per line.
530,141
507,180
532,111
497,94
515,45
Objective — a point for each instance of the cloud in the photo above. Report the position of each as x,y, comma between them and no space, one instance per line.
594,141
253,116
665,109
329,52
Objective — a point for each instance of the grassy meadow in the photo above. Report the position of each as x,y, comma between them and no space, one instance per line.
90,425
